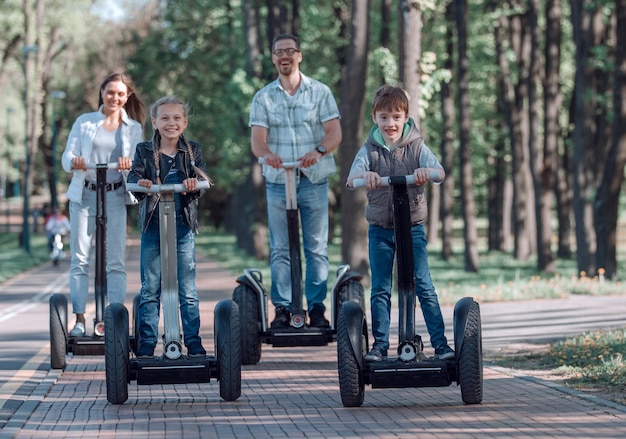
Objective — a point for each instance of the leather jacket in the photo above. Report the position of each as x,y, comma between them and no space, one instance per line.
144,168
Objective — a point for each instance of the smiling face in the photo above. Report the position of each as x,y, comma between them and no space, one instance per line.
114,96
391,124
286,63
171,121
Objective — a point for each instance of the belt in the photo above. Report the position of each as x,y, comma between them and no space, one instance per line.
109,186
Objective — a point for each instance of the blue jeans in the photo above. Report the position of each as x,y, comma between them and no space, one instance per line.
150,303
83,228
381,253
313,207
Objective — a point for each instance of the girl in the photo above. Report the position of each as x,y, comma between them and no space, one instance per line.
168,159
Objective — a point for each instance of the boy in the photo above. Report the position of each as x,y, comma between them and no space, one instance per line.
396,147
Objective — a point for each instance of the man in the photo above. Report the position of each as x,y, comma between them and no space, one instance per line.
295,118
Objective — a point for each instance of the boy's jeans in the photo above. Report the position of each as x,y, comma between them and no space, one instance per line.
313,206
381,253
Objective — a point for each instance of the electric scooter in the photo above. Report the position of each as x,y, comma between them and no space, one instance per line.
252,297
411,368
57,254
61,343
121,363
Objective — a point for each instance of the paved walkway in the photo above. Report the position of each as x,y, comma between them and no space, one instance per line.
293,392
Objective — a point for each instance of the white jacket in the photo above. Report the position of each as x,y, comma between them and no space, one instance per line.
80,144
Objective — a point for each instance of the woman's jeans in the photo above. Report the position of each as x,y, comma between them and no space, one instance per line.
313,207
381,253
83,227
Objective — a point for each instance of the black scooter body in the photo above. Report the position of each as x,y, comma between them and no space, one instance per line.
410,368
252,296
61,343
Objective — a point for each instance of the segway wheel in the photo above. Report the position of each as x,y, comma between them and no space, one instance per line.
116,353
228,347
58,331
351,383
250,312
134,345
471,359
351,291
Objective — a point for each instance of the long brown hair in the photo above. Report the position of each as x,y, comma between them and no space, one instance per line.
134,107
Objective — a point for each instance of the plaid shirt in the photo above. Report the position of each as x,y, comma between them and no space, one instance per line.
294,124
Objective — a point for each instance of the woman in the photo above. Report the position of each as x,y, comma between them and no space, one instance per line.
110,134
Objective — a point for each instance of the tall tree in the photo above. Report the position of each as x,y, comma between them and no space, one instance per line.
352,105
584,132
470,235
410,52
552,101
447,142
606,206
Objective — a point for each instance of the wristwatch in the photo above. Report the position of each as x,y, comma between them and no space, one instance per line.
321,149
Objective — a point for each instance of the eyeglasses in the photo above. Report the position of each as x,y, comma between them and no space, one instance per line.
290,52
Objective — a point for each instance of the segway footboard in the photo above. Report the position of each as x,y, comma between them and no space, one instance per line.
161,370
396,373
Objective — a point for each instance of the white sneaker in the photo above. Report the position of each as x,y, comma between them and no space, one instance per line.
78,331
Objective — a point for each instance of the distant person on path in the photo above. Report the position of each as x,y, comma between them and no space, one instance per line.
295,118
57,222
169,158
105,136
395,146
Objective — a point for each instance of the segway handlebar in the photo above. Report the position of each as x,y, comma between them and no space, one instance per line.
158,188
297,164
386,181
112,165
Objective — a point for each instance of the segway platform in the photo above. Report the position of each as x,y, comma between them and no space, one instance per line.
290,337
161,370
396,373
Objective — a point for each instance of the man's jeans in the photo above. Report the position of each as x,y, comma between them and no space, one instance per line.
83,227
313,207
381,253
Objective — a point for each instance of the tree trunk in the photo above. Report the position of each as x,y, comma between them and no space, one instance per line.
606,205
583,157
447,144
467,196
353,223
552,101
410,51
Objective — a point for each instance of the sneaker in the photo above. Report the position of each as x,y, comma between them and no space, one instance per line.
78,330
282,318
445,353
376,354
316,317
145,351
195,350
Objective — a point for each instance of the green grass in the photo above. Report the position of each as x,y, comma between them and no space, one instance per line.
15,260
593,360
501,277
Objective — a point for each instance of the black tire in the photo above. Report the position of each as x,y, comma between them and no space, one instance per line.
471,358
350,291
116,352
250,314
351,384
135,344
58,331
228,346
